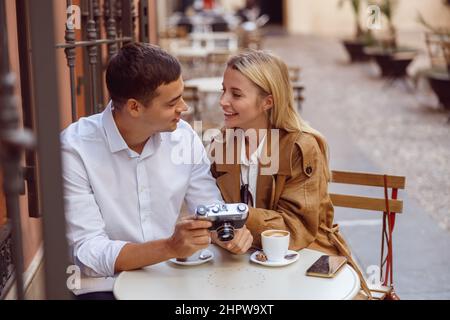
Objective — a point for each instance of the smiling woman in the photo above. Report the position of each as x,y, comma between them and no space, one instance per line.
258,97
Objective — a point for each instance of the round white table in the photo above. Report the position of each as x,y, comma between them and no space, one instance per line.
234,277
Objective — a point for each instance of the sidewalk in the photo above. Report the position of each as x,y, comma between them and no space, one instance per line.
374,128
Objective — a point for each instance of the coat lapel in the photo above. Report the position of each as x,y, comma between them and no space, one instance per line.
265,191
267,184
229,184
276,162
229,181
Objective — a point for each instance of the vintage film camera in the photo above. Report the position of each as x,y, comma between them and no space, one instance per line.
224,217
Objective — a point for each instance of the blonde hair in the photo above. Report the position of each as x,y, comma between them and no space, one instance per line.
271,75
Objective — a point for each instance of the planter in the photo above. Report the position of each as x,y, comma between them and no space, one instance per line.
440,83
392,63
355,50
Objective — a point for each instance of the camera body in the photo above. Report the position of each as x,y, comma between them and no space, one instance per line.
224,217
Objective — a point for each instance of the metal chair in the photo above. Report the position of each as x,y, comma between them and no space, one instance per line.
294,73
294,76
390,206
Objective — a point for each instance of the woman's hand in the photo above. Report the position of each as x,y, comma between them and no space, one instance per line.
240,244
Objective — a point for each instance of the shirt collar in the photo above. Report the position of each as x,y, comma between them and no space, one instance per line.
115,139
255,155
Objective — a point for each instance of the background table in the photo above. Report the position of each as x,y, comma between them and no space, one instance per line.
234,277
206,85
209,92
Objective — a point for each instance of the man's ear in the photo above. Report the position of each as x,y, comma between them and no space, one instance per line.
268,102
132,106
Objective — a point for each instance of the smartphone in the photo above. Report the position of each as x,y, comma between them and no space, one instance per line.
326,266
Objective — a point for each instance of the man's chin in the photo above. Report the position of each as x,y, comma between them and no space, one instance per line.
172,127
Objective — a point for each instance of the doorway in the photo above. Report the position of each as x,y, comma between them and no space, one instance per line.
275,10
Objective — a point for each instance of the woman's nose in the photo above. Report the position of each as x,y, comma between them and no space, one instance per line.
224,101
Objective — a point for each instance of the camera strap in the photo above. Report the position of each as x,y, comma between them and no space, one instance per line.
246,195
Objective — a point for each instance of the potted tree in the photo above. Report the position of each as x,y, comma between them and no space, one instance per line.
362,38
438,47
390,58
387,8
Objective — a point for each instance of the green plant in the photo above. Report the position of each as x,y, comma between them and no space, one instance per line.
388,8
356,6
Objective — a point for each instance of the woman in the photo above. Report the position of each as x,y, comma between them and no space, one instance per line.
286,188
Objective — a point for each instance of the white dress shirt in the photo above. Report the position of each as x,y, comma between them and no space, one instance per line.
114,195
250,166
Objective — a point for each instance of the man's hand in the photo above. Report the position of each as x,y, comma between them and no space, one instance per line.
189,237
240,244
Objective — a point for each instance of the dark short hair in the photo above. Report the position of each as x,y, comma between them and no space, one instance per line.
137,70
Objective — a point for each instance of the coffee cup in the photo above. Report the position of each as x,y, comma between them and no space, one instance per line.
275,244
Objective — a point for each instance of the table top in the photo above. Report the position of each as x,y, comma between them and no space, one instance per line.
235,277
211,85
213,35
198,52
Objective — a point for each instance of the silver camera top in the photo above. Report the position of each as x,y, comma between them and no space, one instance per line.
221,210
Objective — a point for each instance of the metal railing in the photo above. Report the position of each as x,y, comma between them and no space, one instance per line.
13,141
119,25
109,23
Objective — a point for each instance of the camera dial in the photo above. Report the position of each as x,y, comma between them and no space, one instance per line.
202,210
242,207
215,209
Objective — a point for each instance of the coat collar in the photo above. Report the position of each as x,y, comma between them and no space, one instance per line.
229,181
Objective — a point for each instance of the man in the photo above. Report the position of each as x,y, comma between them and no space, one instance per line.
124,187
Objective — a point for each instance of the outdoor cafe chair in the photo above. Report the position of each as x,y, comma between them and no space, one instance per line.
388,205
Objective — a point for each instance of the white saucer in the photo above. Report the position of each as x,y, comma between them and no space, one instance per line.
268,263
194,262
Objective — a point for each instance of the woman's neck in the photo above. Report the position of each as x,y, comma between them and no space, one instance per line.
260,126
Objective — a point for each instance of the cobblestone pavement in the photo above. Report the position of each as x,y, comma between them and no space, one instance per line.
402,132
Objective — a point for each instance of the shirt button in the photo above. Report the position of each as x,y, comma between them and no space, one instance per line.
308,170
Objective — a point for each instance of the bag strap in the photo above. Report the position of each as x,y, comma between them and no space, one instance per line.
386,239
338,241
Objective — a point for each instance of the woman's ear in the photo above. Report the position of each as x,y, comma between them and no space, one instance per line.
268,102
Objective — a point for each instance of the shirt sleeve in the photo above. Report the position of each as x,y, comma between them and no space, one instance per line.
90,247
202,187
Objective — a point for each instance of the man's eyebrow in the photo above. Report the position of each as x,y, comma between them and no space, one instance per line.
175,99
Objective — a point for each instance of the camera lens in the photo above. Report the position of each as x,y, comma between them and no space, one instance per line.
225,232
